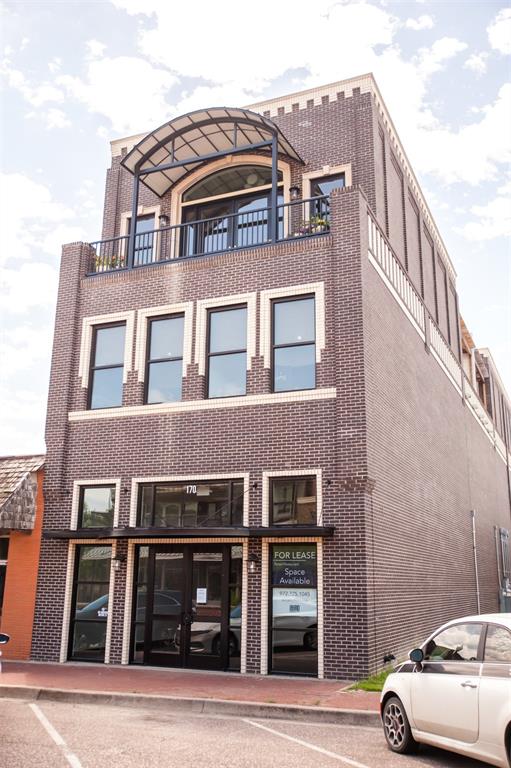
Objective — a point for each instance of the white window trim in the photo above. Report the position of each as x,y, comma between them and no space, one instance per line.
142,210
148,313
75,504
137,481
201,331
295,473
68,596
326,170
88,325
290,291
265,583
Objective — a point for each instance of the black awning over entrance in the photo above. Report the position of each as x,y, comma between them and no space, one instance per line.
320,531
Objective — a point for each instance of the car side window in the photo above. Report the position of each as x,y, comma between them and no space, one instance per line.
457,643
498,644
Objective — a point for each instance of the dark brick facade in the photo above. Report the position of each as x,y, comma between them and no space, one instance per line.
404,461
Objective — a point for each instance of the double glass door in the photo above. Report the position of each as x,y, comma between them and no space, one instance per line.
187,611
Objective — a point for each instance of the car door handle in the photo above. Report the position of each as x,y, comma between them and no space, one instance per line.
468,684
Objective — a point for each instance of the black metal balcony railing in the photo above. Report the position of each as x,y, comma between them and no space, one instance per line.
300,218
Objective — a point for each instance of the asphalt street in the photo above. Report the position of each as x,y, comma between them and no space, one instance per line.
59,735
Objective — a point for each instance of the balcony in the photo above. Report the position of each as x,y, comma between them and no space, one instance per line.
205,237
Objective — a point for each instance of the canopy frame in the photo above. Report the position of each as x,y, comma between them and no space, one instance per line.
250,132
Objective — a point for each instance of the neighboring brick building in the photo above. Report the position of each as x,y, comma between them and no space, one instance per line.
267,448
21,520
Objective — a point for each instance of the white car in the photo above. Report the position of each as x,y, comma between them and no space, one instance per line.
455,692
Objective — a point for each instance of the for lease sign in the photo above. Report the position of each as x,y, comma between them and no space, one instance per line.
294,565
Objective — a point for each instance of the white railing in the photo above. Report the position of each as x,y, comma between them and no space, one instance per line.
389,263
396,279
443,351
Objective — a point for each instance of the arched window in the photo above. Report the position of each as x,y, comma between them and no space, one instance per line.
230,208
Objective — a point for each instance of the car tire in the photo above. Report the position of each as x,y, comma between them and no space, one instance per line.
396,727
233,645
310,641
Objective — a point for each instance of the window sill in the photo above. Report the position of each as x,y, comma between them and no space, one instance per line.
184,406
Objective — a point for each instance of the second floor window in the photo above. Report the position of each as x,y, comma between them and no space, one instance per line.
97,506
107,365
294,501
164,372
294,344
227,352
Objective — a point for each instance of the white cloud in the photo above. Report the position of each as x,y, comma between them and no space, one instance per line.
35,95
431,60
23,415
29,213
477,63
499,31
474,152
95,49
493,219
34,284
127,90
55,64
52,118
423,22
24,346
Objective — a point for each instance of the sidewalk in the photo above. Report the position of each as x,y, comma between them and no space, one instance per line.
211,691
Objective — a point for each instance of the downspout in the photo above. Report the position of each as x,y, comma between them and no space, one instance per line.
474,546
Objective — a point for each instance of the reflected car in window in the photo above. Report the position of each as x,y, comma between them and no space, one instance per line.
454,692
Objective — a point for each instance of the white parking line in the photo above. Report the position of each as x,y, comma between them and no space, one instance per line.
57,738
333,755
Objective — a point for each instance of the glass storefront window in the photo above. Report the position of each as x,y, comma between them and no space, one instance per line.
90,603
97,507
294,609
195,504
293,501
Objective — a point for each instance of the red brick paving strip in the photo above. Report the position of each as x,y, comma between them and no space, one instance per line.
203,685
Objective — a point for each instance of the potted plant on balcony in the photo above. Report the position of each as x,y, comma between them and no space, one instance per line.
104,263
319,224
312,226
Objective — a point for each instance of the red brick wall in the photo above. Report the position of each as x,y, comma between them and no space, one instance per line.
20,584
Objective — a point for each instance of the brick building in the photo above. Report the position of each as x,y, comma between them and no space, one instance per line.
21,521
271,441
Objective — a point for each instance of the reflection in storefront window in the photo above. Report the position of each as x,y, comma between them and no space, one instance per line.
90,609
294,610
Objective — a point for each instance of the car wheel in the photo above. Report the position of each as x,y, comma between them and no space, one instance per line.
233,646
310,641
397,728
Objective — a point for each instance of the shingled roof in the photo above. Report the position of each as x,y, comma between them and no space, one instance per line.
18,491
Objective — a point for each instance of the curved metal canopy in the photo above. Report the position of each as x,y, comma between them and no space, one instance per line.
167,154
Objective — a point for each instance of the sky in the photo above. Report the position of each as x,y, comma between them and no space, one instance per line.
74,75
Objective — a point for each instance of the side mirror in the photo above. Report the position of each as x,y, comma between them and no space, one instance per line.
4,638
417,656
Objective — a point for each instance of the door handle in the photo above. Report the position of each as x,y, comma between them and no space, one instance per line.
468,684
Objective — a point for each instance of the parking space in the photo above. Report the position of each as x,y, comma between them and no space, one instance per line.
51,735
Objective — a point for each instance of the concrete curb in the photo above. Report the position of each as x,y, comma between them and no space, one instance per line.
179,705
